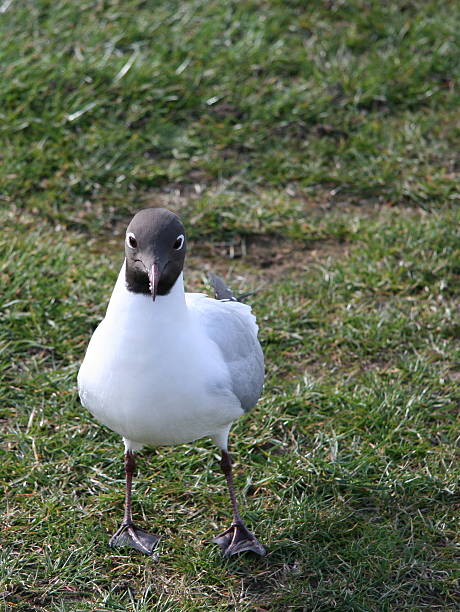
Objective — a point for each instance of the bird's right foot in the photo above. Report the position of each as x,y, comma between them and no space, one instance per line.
134,537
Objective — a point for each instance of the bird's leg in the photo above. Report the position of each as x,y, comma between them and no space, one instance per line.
236,538
128,534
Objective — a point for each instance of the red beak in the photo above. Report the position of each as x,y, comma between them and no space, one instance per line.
154,277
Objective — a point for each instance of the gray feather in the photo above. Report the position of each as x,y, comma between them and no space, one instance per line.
221,291
238,343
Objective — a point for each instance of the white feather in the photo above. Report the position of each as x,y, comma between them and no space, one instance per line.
152,372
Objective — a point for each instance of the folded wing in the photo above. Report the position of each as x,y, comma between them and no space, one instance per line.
233,328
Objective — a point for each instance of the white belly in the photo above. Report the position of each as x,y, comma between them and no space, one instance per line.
154,387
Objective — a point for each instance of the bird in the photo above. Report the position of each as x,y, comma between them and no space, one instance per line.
165,367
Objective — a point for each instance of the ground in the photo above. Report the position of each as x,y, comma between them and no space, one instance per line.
312,152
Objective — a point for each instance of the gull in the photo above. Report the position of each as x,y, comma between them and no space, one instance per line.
165,367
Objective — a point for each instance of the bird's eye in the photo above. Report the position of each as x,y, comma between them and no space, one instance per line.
131,240
179,242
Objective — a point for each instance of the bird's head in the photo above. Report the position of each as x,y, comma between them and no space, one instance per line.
155,251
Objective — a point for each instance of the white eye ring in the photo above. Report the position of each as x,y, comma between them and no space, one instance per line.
179,242
131,240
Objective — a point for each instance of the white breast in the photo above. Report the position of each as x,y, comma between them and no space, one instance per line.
150,373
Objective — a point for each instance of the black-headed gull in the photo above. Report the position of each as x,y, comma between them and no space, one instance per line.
166,367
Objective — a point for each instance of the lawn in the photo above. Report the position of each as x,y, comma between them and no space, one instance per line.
312,151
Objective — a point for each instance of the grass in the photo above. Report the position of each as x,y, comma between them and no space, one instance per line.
312,153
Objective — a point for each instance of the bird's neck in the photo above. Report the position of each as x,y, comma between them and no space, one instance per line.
138,306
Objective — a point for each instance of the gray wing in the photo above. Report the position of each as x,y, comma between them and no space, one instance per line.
245,361
231,325
221,291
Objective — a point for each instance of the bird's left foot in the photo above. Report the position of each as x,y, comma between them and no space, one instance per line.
237,539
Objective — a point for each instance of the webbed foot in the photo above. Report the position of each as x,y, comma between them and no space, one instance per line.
130,535
237,539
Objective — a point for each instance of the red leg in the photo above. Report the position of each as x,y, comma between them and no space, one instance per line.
128,534
237,538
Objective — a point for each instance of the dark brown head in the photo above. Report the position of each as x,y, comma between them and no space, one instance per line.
155,251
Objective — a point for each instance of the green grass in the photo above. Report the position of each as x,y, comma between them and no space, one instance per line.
319,145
